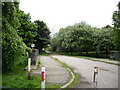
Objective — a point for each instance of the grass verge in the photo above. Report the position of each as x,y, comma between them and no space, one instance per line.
18,79
86,57
43,54
49,85
77,76
92,59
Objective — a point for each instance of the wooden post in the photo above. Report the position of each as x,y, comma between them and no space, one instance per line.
29,68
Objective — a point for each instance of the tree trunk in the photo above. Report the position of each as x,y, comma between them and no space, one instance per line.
107,53
86,52
96,54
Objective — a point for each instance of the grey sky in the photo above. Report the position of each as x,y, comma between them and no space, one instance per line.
61,13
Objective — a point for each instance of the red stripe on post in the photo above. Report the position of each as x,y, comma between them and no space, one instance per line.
43,76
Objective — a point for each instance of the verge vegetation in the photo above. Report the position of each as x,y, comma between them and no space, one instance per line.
77,76
90,58
19,79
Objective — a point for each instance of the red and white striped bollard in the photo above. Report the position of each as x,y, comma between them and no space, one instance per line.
43,78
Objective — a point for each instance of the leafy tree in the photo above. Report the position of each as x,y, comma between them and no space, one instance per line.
103,40
13,48
81,37
75,38
43,35
0,10
84,35
116,23
54,43
27,29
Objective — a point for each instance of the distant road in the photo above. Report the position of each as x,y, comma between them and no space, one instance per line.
108,74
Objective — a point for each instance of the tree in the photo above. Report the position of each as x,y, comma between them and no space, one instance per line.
13,48
27,29
103,40
54,43
76,38
81,37
116,23
43,35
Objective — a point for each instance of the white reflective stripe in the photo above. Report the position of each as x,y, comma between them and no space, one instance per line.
43,69
29,64
95,70
43,84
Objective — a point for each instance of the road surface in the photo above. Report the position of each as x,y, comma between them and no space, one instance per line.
107,76
55,73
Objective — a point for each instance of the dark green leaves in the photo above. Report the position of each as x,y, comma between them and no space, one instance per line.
43,35
13,47
27,29
116,23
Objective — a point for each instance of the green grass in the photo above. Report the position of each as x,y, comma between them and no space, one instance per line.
101,54
43,54
38,63
0,80
114,60
85,57
107,62
92,58
18,79
77,76
49,85
76,81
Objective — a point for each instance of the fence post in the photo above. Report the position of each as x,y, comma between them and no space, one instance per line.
29,64
43,78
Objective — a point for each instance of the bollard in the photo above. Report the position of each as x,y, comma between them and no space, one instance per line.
43,78
29,64
95,73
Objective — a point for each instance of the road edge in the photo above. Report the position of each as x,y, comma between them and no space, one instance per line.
67,67
73,78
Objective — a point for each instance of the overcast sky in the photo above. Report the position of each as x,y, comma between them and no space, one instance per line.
61,13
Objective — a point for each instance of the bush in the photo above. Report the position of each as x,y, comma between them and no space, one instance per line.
13,48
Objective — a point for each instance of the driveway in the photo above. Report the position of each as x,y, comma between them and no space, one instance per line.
107,76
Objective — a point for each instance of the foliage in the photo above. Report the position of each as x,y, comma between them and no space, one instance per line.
0,10
27,29
103,40
18,79
81,37
54,43
116,23
75,38
13,48
43,35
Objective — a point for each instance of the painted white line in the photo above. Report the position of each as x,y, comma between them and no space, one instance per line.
73,77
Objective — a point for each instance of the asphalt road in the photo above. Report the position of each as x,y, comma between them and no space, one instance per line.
55,73
107,76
